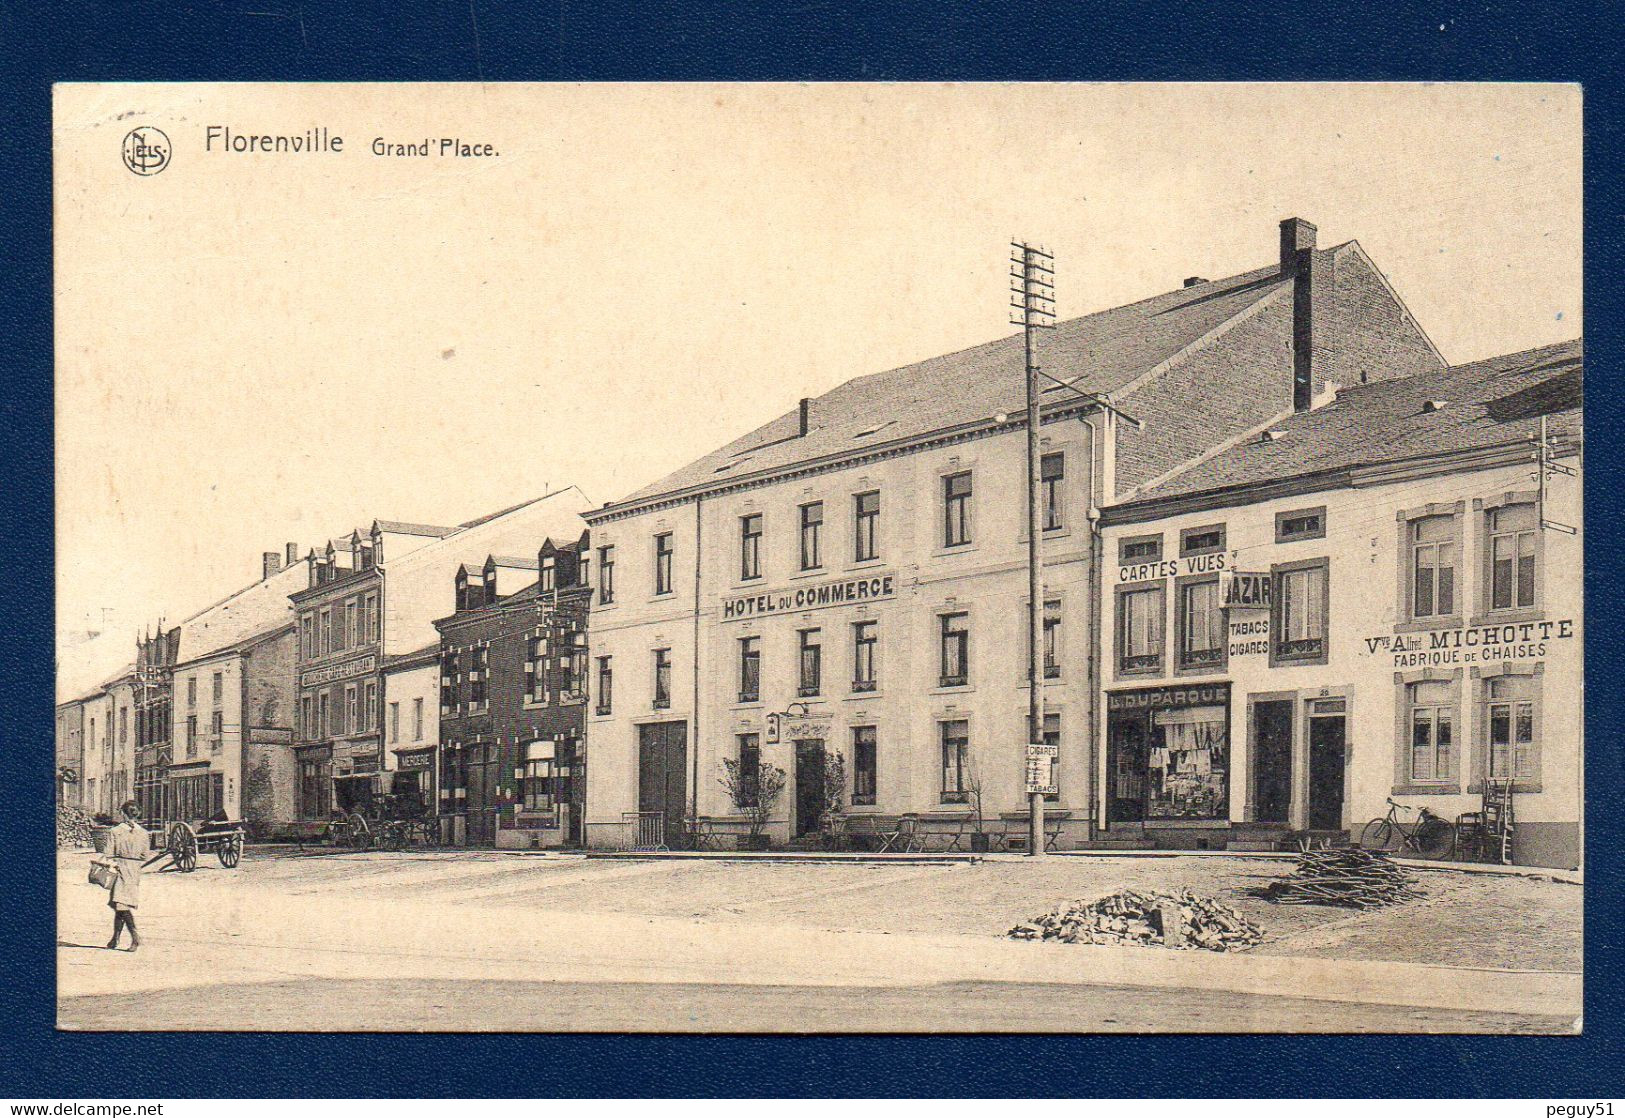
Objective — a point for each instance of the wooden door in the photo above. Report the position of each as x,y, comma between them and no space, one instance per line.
663,774
482,795
1327,754
1272,761
809,786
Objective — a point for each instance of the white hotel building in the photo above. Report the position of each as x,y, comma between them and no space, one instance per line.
851,578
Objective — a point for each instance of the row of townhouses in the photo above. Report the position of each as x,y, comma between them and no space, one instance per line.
1295,566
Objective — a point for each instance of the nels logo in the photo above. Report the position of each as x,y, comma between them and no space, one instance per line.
146,151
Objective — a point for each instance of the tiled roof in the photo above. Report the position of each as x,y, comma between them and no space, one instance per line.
1099,352
523,563
430,651
475,523
406,528
251,612
1464,407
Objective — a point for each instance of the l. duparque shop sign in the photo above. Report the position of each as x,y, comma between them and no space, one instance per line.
877,587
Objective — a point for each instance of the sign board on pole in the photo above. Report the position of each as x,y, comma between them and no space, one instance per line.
789,727
1040,758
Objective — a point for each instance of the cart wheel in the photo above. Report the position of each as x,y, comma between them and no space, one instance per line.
183,847
230,851
360,833
392,837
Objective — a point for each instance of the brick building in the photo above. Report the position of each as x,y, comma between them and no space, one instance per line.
370,597
1374,599
513,670
850,578
154,717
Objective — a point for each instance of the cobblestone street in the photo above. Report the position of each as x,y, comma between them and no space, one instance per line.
277,941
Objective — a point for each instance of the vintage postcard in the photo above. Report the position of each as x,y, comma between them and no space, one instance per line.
819,558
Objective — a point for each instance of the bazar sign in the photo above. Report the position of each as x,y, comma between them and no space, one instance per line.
1172,568
1477,644
361,666
815,595
1247,590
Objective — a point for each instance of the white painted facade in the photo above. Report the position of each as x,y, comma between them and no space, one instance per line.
1376,651
913,581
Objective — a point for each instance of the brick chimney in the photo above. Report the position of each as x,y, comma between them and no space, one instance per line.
292,552
1296,235
806,416
1297,262
270,563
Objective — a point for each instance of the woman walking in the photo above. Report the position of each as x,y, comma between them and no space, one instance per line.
129,848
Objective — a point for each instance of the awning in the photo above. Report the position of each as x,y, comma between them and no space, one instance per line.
1188,716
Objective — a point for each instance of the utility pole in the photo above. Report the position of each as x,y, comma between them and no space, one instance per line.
1033,285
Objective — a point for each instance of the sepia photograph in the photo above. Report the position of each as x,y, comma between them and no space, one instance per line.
819,558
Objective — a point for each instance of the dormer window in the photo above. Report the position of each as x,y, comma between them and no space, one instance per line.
550,575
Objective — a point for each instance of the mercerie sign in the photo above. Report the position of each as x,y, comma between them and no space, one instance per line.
877,587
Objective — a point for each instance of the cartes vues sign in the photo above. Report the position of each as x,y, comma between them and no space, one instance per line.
1212,563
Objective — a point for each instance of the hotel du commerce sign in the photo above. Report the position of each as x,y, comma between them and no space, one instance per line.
877,587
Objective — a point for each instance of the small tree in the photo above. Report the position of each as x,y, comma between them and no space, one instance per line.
259,792
973,793
754,792
834,794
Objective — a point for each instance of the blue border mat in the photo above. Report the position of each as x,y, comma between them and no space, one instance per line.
549,40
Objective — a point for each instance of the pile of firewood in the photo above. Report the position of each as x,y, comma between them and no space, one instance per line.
72,829
1351,878
1181,920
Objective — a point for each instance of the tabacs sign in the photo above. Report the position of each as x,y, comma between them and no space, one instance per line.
1040,770
878,587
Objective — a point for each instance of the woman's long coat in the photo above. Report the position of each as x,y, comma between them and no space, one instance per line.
129,848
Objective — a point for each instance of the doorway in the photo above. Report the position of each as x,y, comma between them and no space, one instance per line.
663,775
1272,761
1327,756
809,786
482,794
1128,755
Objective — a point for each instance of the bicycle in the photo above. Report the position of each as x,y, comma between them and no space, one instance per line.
1431,836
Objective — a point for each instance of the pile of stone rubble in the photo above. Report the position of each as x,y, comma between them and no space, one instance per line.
1182,921
72,829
